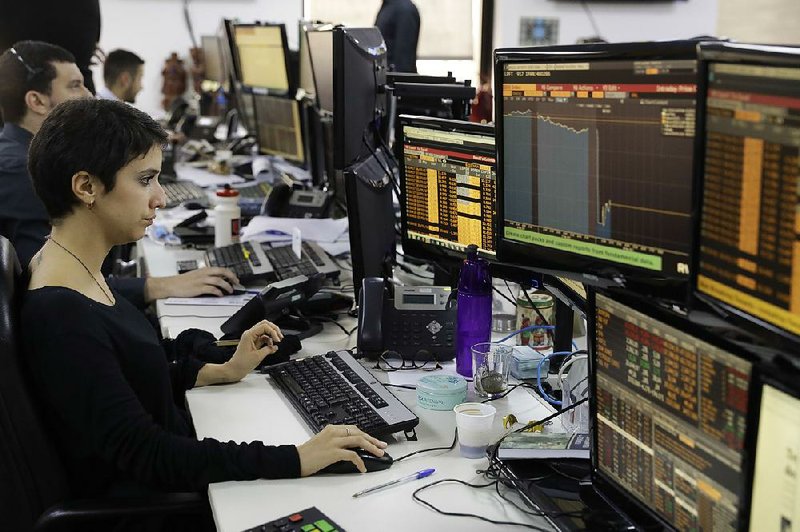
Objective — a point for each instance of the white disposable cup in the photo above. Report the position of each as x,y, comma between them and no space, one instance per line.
474,423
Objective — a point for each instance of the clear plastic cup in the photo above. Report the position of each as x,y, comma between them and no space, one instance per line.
474,423
491,362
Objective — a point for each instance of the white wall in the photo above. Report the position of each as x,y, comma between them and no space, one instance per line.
761,21
617,22
154,28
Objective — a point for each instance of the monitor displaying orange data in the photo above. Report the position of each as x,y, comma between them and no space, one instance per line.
749,253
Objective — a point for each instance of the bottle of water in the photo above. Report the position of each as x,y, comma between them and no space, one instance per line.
227,217
474,314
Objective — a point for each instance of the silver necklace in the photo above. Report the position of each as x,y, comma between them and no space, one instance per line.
74,256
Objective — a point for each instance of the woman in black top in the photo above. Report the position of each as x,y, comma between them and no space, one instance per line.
97,363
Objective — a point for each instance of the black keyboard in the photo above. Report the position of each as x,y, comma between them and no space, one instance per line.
252,261
335,389
182,191
287,264
233,257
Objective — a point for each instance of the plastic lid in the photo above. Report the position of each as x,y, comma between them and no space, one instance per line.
442,384
472,251
227,192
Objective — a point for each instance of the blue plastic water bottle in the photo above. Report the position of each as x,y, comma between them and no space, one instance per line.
474,315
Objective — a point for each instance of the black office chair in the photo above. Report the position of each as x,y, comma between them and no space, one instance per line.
33,486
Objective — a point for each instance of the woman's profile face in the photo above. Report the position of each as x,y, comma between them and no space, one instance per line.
130,208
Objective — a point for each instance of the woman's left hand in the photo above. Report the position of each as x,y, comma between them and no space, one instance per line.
256,343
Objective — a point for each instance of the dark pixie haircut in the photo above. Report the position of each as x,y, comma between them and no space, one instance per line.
120,61
99,137
29,69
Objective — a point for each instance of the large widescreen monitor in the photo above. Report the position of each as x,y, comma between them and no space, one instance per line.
278,127
262,56
448,201
669,415
749,243
596,160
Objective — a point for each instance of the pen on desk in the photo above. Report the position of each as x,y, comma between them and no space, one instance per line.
227,343
402,480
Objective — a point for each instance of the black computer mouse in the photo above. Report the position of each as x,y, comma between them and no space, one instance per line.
193,205
372,462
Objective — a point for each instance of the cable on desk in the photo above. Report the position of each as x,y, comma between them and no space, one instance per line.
510,389
501,294
452,446
416,497
511,292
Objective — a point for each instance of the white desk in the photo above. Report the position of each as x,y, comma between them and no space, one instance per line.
256,409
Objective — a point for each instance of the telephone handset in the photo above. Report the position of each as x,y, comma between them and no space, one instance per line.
415,322
287,202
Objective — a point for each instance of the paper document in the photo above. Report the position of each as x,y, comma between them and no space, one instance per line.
204,178
224,301
314,229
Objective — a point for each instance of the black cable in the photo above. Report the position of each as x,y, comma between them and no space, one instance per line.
189,23
416,497
510,292
333,321
452,446
501,294
591,18
511,389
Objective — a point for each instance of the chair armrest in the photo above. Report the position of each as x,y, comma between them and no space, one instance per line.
70,513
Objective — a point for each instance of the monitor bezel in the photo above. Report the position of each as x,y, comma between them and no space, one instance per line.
588,270
758,55
605,486
290,81
416,248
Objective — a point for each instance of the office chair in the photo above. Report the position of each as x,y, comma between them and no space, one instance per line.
33,484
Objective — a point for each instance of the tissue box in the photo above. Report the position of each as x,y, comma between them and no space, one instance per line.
525,360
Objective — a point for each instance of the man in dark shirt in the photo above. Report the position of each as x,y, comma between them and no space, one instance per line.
36,78
398,21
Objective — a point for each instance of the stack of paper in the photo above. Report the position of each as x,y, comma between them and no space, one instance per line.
330,234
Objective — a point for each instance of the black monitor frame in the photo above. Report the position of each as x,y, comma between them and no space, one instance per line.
749,54
302,124
416,248
589,270
642,515
359,97
322,67
291,82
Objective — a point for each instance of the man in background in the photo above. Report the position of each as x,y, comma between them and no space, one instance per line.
36,77
398,21
122,74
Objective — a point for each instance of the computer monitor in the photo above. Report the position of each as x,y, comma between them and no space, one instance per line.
448,202
320,47
306,73
669,415
278,127
359,98
749,243
595,151
775,498
212,57
262,57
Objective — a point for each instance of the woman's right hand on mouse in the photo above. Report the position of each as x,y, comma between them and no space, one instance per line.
334,443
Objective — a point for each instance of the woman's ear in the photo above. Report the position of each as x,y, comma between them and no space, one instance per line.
86,188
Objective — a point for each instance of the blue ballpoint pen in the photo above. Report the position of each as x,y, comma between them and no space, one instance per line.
402,480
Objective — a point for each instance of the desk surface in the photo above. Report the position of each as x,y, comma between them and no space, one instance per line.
256,409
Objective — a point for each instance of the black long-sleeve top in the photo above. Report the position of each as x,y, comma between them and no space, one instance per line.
398,21
106,387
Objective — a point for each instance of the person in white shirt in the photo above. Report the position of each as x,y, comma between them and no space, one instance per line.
122,73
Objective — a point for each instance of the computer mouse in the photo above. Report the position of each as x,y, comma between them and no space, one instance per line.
193,206
372,462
